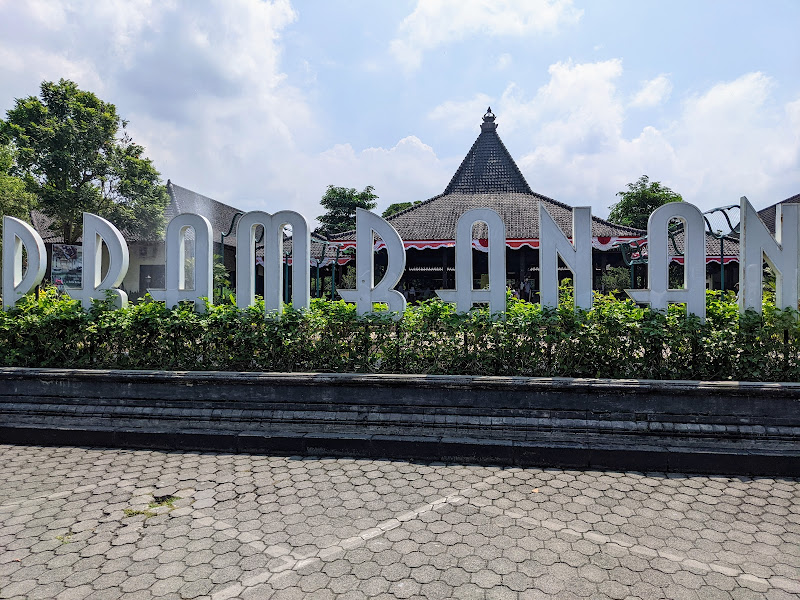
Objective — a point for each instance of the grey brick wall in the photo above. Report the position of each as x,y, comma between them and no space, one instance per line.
642,425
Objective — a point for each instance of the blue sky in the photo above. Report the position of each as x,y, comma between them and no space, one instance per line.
263,104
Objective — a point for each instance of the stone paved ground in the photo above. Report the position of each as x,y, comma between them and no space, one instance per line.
88,523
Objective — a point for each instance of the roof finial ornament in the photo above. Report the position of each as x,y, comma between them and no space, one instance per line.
488,121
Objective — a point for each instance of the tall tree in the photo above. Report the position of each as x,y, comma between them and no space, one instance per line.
639,201
341,204
75,155
15,199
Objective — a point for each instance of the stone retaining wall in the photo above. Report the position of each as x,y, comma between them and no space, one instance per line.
688,426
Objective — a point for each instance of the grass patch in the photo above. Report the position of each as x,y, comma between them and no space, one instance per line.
64,539
130,512
157,502
163,501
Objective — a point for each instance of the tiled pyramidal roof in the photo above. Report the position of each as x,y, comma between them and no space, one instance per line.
488,177
488,166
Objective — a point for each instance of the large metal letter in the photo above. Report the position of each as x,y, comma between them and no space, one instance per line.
273,256
464,296
576,255
781,253
16,235
97,230
176,262
658,294
366,292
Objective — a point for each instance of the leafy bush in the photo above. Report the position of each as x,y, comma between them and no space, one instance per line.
615,339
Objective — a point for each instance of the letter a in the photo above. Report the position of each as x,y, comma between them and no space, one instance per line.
176,262
658,294
464,296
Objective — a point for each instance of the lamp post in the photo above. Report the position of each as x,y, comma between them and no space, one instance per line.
333,273
286,255
319,261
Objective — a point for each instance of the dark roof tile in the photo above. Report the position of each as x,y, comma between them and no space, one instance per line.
488,166
768,214
221,215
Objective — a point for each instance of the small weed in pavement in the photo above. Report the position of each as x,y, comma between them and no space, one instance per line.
163,501
130,512
157,502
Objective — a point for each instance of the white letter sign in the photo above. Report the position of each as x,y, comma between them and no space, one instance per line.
97,230
464,295
781,253
366,292
576,255
273,259
658,294
17,234
176,262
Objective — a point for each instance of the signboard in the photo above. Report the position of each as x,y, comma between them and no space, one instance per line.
781,252
66,267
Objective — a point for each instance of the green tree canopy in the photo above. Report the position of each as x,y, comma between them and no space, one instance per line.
639,201
15,199
398,207
74,154
341,204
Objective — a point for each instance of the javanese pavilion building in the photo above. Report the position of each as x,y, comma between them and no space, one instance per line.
488,177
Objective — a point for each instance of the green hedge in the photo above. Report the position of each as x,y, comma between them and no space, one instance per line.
615,339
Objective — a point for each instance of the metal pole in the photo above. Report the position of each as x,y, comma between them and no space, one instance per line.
722,263
286,278
333,274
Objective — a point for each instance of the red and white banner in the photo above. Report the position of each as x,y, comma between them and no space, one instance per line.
599,243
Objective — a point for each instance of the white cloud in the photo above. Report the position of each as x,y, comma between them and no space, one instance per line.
504,61
438,22
733,140
652,93
408,171
729,140
461,115
204,92
201,84
577,108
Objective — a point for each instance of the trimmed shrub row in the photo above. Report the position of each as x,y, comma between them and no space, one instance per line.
616,339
